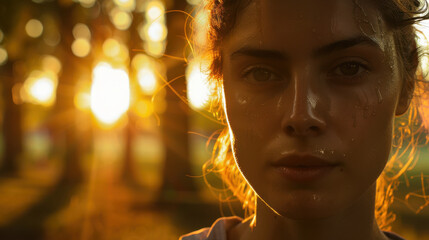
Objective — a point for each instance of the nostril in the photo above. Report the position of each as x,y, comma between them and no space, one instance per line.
314,129
290,129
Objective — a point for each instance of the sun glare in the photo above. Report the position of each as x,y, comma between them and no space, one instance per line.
157,32
147,80
110,93
423,42
198,87
40,88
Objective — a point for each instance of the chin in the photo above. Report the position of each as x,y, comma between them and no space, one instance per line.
310,207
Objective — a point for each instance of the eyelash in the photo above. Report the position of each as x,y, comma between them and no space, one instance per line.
248,71
333,74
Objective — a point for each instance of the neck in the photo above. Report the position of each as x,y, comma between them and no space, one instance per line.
355,223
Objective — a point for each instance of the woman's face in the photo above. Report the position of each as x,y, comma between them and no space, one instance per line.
311,89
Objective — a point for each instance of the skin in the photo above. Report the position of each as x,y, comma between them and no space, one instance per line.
292,85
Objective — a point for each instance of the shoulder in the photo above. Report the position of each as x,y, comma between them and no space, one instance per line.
393,236
216,232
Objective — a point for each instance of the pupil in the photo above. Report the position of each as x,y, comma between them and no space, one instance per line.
261,75
349,69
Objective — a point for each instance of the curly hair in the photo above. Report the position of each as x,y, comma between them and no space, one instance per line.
400,16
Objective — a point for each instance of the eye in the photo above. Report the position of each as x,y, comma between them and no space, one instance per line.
260,74
349,69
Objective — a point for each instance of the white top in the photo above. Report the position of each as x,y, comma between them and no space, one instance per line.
219,229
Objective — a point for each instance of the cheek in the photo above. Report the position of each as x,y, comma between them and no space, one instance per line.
251,117
365,127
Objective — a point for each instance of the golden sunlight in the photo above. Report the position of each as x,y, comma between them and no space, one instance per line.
155,49
155,11
34,28
51,64
126,5
81,47
40,88
121,19
110,93
423,42
198,87
147,80
156,31
87,3
115,50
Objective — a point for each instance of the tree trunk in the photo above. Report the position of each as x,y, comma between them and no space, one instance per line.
12,129
176,183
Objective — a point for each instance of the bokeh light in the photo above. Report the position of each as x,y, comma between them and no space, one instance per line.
156,32
34,28
121,19
3,56
87,3
52,64
144,108
155,49
81,30
40,88
197,83
115,50
81,47
155,11
147,80
82,101
110,93
126,5
111,47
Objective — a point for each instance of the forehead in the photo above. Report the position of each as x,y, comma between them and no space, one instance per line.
306,24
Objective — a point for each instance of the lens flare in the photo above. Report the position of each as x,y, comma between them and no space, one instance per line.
110,93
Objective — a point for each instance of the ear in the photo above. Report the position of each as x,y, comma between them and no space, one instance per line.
405,97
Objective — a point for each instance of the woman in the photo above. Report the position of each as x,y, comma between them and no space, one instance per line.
310,90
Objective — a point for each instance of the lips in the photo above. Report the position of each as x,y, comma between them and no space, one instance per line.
303,167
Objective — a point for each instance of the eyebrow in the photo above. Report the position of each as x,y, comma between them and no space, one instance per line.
324,50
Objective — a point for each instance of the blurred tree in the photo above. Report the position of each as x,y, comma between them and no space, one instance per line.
128,168
174,122
70,15
12,21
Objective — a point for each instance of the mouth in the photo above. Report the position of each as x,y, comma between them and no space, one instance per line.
303,167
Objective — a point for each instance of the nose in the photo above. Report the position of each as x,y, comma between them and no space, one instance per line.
303,119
